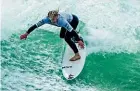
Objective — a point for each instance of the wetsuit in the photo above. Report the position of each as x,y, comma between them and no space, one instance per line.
68,24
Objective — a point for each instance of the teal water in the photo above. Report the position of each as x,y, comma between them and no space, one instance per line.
111,30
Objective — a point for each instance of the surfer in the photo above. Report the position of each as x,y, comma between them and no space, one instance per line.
68,24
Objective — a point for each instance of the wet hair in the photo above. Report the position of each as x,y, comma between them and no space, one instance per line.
53,13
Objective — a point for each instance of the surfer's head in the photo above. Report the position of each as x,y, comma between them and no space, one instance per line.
52,15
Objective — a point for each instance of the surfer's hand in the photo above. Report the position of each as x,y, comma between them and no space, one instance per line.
81,44
24,36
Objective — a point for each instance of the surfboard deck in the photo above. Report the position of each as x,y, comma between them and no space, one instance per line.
71,69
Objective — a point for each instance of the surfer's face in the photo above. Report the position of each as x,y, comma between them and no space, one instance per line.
54,19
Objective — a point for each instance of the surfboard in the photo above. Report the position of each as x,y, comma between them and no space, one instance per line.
71,69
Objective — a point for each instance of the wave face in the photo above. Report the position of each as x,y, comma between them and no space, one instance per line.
111,30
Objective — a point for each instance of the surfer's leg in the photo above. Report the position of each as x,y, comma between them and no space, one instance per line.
73,46
74,24
67,36
62,32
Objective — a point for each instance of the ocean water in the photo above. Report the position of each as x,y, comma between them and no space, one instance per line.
110,28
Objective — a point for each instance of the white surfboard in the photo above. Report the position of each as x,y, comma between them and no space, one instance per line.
71,69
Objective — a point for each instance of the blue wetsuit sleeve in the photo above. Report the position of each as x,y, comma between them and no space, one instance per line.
67,26
40,23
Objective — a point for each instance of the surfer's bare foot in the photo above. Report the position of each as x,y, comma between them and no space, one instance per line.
76,57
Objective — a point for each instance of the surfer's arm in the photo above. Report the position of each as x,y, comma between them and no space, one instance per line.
75,35
69,28
31,28
40,23
24,36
